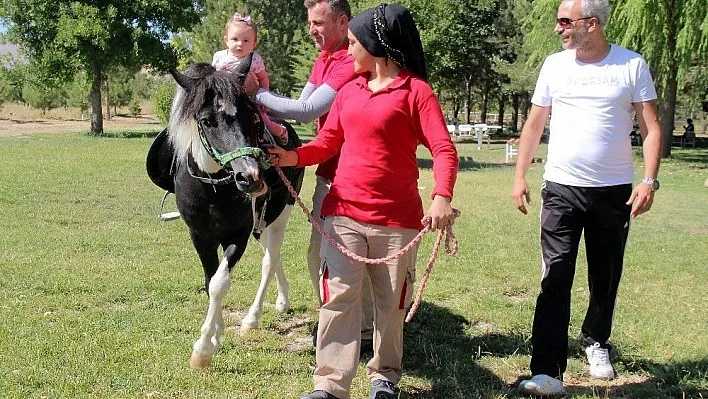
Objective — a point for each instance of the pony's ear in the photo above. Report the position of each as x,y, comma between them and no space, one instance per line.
243,67
183,80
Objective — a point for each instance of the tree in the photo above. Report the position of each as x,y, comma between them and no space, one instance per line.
64,36
671,35
122,83
78,92
39,95
459,47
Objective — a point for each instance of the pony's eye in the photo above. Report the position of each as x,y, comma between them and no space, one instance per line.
207,122
230,119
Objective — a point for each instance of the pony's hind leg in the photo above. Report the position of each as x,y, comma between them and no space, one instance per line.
209,341
271,265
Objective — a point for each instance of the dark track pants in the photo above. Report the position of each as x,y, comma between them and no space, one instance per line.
567,211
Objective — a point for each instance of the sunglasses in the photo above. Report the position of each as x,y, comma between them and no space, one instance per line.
567,22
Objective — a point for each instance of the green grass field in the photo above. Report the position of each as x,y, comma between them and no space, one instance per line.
101,300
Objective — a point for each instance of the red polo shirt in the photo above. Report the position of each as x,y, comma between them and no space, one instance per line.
334,69
378,134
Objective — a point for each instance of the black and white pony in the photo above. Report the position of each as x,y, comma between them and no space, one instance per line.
225,190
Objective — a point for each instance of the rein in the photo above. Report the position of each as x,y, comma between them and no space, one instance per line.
451,244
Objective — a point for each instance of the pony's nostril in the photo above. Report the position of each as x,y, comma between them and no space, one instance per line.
244,178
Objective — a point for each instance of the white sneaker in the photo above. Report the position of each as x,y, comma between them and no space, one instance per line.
599,359
542,385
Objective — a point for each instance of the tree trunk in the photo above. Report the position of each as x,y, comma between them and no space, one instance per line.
96,111
524,100
668,106
108,99
502,104
456,111
468,107
515,113
485,102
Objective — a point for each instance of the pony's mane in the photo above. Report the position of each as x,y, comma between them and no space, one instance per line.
207,84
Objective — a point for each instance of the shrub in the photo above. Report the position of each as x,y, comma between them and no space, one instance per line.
134,107
162,100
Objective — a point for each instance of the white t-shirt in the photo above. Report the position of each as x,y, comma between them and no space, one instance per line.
223,60
591,115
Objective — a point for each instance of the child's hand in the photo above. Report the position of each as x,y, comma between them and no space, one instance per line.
440,213
281,157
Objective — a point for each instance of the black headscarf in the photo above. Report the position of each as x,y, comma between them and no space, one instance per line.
388,30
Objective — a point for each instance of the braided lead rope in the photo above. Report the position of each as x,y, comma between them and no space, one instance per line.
451,244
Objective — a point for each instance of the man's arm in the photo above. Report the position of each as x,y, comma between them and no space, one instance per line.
642,196
303,110
312,103
528,144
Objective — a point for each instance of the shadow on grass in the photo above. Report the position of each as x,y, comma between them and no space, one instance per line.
466,163
437,348
131,133
697,157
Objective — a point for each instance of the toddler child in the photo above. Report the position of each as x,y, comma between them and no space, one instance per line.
241,37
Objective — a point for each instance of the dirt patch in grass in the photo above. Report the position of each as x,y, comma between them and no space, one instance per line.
18,120
18,126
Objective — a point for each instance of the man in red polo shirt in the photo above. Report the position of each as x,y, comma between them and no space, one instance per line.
328,20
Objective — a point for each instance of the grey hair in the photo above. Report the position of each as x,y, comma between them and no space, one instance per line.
338,7
597,8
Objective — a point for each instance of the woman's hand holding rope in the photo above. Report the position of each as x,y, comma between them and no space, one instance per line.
441,213
281,157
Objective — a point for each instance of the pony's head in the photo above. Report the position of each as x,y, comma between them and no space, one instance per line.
214,120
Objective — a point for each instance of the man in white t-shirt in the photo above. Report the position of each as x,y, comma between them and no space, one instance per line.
590,91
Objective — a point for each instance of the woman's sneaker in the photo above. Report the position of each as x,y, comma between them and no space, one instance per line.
599,359
542,385
319,394
382,389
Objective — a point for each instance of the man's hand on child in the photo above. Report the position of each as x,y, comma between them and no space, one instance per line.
250,84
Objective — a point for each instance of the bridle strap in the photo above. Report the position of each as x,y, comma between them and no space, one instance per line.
224,159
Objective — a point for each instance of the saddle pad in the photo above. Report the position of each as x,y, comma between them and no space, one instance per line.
161,162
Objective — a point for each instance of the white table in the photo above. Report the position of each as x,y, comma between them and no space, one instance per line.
481,130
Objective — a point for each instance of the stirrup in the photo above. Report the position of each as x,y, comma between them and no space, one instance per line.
166,216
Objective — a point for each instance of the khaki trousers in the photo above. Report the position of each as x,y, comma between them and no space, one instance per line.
314,263
341,285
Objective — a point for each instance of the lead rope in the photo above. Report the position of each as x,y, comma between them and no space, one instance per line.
451,245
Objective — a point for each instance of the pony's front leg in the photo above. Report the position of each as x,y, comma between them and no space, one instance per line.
271,265
210,340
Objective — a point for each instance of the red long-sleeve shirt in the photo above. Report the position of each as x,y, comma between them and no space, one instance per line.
378,134
335,70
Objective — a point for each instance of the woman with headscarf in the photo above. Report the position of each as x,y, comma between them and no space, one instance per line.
374,208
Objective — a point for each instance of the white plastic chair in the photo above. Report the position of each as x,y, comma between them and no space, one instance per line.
511,150
688,140
465,130
452,129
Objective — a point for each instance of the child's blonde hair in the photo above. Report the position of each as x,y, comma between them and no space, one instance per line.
242,18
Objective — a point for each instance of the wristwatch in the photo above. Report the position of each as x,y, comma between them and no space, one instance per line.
653,183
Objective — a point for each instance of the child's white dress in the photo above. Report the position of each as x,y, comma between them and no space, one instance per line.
225,61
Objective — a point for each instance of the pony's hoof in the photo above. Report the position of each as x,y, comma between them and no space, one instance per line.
198,362
282,306
249,323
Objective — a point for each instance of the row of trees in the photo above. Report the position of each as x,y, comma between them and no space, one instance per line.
120,88
482,54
